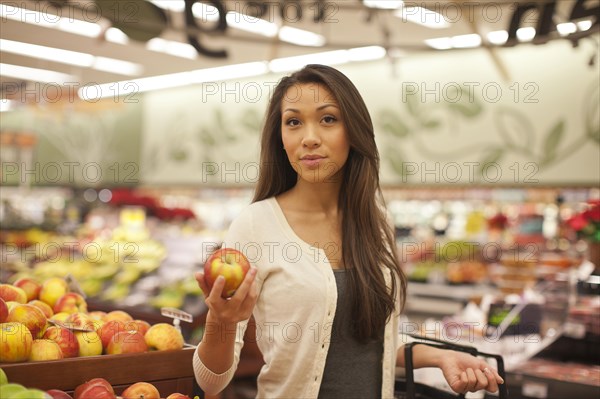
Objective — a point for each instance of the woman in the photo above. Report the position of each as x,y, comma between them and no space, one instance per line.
326,290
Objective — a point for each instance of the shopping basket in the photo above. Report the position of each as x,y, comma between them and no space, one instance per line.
407,388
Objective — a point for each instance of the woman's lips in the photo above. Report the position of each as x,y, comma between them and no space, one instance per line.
311,161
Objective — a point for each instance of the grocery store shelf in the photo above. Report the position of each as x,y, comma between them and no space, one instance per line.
461,293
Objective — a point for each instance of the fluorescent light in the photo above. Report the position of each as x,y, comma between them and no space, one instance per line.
71,57
35,74
584,25
79,27
251,24
466,41
117,66
178,49
171,5
383,4
205,12
6,105
28,16
525,34
335,57
422,16
173,80
498,37
116,35
300,37
47,53
368,53
439,43
566,28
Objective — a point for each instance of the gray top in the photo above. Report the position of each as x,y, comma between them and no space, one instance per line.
352,369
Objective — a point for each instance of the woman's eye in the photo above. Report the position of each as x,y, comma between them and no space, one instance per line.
292,122
329,119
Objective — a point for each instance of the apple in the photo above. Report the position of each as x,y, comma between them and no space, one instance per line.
163,336
81,321
118,315
3,311
229,263
177,395
11,293
43,306
109,329
138,325
126,342
44,349
10,390
15,342
65,339
31,287
71,302
52,289
96,388
58,394
31,393
61,317
31,316
141,390
89,343
97,315
3,378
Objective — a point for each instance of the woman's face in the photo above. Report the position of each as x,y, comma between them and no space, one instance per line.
313,133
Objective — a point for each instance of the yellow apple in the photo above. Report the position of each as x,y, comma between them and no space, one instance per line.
71,302
43,306
52,289
31,287
229,263
9,292
15,342
163,336
89,343
31,316
44,349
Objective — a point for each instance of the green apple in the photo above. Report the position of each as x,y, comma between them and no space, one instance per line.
3,378
31,393
8,391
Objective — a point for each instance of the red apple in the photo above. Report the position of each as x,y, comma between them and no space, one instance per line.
178,395
52,289
71,302
15,342
43,306
97,315
163,336
229,263
58,394
3,310
31,316
96,388
31,287
109,329
80,320
141,390
126,342
118,315
65,339
11,293
44,349
138,325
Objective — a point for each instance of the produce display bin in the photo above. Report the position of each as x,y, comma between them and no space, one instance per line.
168,371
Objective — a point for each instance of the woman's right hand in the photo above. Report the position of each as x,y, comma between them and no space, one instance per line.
229,310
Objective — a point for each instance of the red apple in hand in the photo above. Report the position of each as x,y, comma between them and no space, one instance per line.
229,263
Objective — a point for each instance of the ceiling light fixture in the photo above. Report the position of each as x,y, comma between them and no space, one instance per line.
36,74
497,37
71,57
422,16
566,28
525,34
466,41
6,105
177,49
383,4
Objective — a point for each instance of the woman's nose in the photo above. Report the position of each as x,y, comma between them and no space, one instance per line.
311,137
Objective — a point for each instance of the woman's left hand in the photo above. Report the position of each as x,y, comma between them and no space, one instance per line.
465,373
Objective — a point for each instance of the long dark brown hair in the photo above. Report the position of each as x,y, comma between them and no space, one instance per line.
362,208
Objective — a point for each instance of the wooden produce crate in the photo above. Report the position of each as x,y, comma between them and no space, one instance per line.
169,371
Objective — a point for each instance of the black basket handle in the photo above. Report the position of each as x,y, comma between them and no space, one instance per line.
408,360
